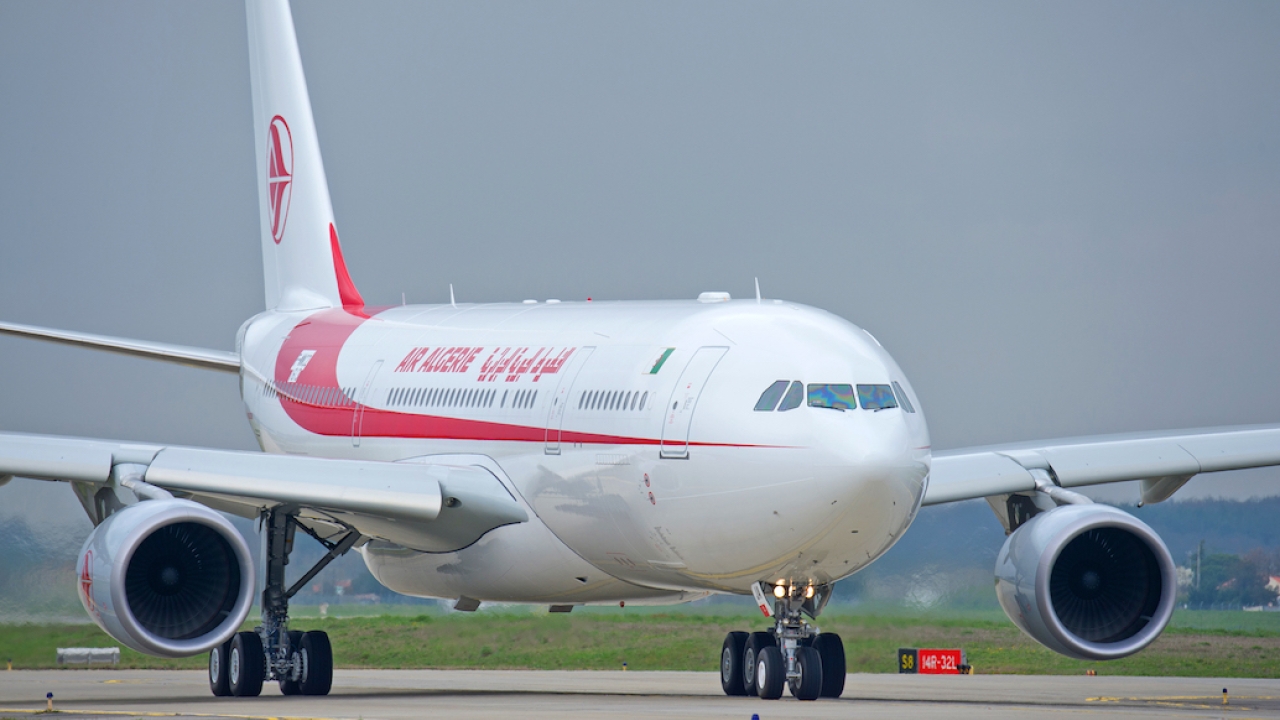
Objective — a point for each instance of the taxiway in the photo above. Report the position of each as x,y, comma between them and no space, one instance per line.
466,694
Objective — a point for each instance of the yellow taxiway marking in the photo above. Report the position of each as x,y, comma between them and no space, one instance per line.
31,711
1180,698
1198,702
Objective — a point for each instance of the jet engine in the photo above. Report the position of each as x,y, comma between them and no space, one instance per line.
1088,581
166,577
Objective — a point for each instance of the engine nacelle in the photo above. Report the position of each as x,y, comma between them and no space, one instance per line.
1088,581
166,577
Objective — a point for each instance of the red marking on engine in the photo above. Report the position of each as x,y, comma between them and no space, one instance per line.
86,583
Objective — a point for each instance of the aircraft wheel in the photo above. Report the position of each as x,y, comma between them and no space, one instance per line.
317,663
756,641
771,673
245,665
809,684
291,683
831,648
218,670
731,676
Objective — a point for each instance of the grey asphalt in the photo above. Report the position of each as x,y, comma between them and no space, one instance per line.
465,694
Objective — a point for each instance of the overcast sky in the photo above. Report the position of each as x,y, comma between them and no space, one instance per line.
1061,219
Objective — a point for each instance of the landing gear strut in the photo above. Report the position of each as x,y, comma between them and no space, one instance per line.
806,660
301,662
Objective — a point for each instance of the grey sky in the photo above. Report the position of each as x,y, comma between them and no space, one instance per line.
1061,219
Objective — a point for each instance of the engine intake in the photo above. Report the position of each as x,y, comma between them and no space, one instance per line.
1088,581
167,577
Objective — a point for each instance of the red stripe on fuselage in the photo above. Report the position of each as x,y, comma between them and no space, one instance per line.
326,332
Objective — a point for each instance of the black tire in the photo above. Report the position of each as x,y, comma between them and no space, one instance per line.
245,665
291,683
771,673
731,676
809,685
317,663
831,648
218,683
755,642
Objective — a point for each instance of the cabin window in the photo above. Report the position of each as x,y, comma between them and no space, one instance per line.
836,396
876,397
771,395
643,398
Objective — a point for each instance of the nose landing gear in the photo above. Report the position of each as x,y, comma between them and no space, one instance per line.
809,662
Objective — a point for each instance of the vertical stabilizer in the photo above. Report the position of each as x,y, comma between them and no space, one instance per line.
302,260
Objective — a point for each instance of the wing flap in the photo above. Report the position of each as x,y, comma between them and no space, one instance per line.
1106,462
356,486
53,458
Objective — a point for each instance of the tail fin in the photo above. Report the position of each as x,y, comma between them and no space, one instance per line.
301,257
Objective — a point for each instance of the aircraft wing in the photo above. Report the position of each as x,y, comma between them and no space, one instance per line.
180,354
431,504
1163,461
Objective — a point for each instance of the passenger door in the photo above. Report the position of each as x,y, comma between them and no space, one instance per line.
362,396
678,414
560,400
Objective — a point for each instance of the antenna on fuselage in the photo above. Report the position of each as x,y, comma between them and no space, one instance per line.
451,300
757,291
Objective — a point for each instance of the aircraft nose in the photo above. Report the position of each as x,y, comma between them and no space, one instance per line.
883,453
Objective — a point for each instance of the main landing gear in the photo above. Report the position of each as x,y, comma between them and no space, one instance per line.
301,662
809,662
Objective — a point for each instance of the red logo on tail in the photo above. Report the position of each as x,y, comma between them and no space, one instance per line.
279,174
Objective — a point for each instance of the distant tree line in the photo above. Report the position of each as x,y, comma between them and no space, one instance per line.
1229,582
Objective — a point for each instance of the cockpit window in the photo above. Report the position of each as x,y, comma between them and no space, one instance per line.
902,397
770,397
876,397
795,396
836,396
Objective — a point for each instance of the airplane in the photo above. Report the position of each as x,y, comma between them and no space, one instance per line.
572,453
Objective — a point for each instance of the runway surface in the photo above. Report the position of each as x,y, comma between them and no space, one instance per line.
466,694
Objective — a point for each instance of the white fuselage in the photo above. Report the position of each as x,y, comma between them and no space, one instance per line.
628,430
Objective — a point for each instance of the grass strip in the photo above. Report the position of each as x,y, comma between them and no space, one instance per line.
662,639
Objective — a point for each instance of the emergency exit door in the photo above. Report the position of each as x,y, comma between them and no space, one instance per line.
678,416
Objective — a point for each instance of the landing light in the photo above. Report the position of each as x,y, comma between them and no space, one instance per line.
779,591
808,592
